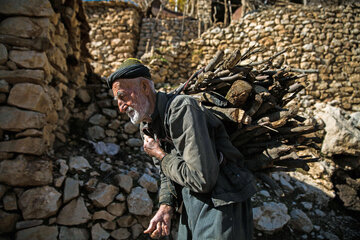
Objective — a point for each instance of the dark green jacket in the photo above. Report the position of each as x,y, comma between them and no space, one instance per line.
192,160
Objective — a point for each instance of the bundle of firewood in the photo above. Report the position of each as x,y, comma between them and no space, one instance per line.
252,99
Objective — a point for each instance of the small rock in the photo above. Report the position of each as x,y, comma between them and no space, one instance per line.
270,217
28,224
79,164
130,128
8,221
139,202
38,233
148,182
126,221
125,182
300,221
136,230
103,215
67,233
120,197
110,112
104,167
99,119
96,133
109,225
121,233
63,166
134,142
10,202
98,233
307,205
103,195
319,213
59,181
90,185
74,213
83,95
330,236
3,54
286,185
264,193
116,209
4,86
3,189
71,189
40,202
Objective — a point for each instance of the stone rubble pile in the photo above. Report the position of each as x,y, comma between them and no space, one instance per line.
115,29
77,201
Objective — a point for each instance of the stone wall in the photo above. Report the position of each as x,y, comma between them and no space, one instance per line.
323,38
43,64
114,32
163,46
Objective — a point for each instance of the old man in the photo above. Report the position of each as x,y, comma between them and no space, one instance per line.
202,173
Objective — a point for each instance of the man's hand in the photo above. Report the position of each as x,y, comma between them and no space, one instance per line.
152,148
161,222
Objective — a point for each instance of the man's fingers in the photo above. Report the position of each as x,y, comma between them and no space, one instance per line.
165,229
151,227
158,228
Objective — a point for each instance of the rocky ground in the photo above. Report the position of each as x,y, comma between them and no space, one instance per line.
306,207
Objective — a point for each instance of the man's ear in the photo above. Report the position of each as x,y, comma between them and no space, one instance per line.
144,86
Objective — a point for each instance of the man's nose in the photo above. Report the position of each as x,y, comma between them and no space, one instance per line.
122,106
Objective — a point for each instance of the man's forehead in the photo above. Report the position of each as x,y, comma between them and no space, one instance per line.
124,83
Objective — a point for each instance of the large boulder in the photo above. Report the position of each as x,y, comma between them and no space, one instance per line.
73,233
40,202
342,134
300,221
24,172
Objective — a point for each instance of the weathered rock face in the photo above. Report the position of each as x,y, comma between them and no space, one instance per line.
41,202
139,202
38,233
24,172
74,213
30,96
300,221
73,233
14,119
104,194
342,136
29,145
270,217
8,221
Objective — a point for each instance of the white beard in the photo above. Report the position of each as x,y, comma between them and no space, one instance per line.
137,116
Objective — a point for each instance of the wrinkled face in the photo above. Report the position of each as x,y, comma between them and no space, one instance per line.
131,99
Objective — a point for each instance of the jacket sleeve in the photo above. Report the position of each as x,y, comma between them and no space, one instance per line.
195,165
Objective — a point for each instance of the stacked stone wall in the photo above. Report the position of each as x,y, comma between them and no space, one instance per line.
163,46
115,29
323,38
43,64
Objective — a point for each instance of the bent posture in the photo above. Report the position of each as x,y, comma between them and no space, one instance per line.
201,172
